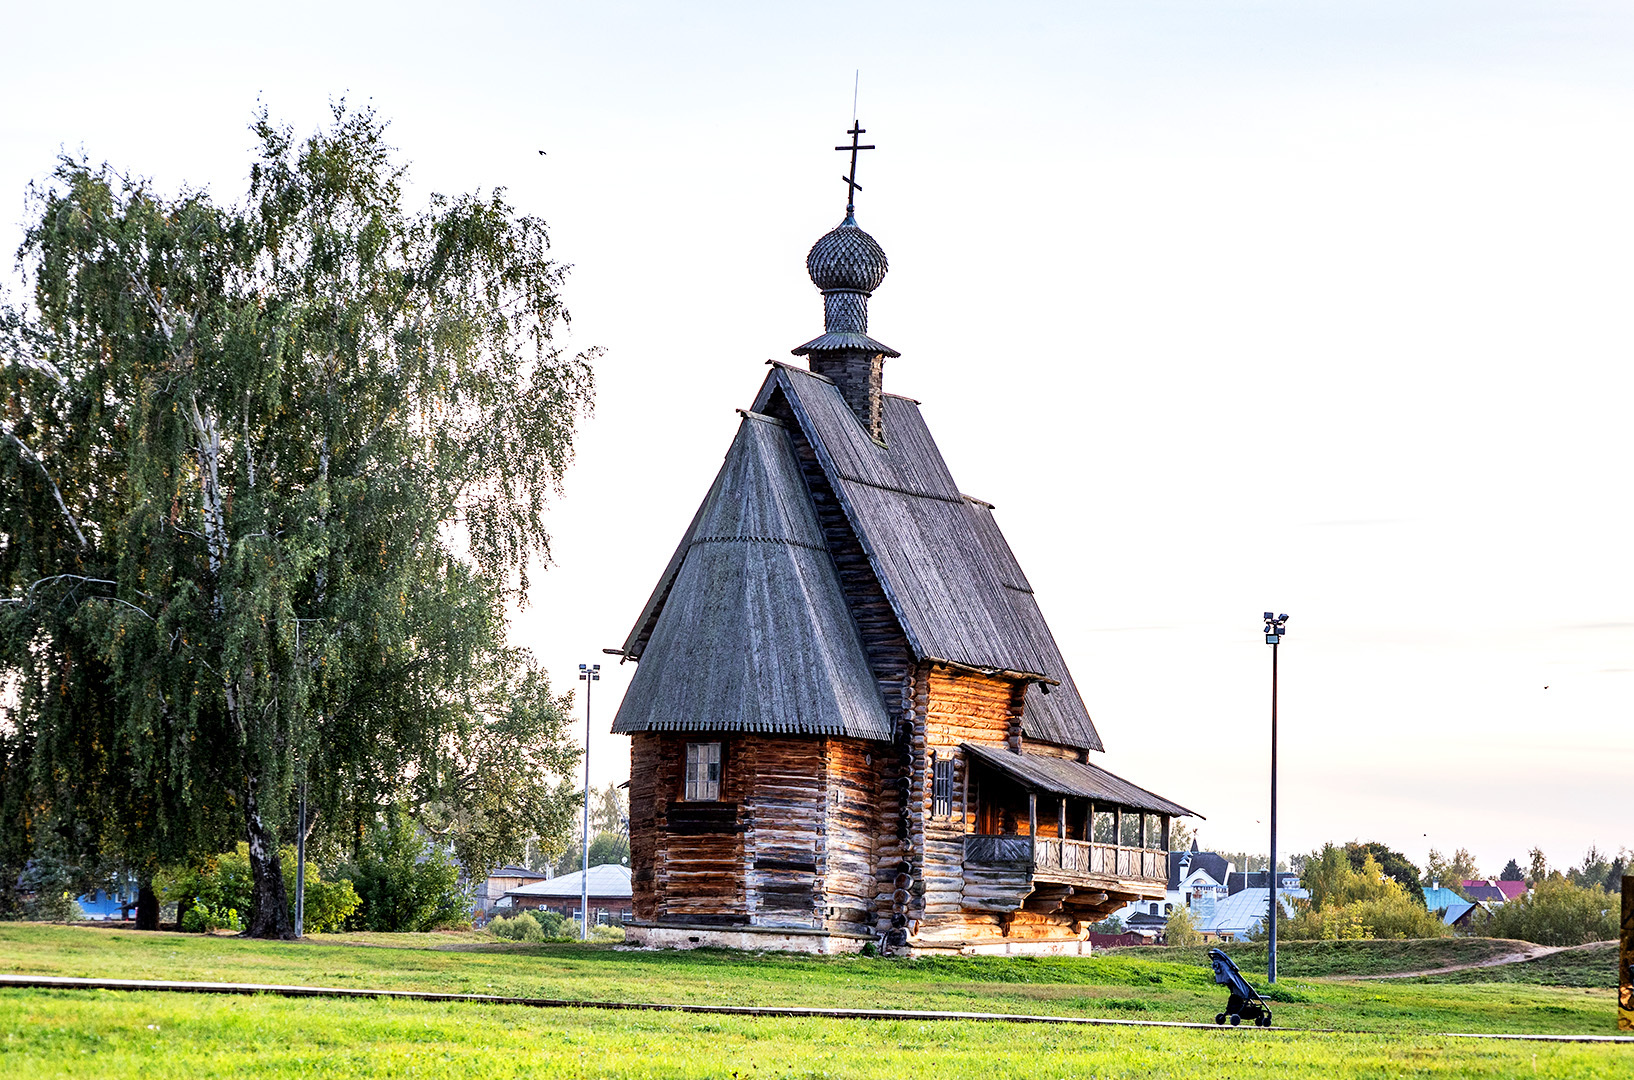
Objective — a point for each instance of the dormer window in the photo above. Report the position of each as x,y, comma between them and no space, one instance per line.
703,772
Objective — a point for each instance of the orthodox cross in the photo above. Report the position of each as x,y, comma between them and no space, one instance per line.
851,185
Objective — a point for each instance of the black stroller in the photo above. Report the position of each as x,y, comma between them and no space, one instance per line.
1245,1003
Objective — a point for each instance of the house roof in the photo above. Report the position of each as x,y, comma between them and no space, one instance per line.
952,581
1457,910
1511,889
748,630
1438,897
1246,909
1212,864
608,881
1257,879
1063,776
1484,891
515,871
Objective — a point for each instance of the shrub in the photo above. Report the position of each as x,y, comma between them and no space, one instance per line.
405,883
522,927
220,891
201,918
1348,904
607,933
556,927
1557,912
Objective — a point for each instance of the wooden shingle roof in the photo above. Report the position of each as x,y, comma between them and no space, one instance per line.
956,588
748,629
1063,776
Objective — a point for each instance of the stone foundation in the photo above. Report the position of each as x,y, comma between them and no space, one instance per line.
746,938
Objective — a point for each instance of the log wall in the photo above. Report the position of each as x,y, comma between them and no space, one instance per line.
790,843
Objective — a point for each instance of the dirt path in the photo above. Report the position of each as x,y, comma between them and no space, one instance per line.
1531,952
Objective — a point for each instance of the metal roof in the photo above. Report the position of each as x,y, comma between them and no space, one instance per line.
954,584
1063,776
608,881
749,630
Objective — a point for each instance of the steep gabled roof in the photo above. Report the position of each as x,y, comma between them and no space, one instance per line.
748,629
944,565
1211,863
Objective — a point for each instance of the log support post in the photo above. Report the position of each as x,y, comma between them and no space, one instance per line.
965,815
1032,825
1165,832
1117,826
1061,819
1143,818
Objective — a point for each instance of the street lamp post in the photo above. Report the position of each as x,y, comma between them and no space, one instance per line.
588,674
1275,628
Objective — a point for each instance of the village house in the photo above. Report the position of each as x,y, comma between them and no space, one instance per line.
609,894
850,723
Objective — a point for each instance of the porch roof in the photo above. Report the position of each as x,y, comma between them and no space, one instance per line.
1063,776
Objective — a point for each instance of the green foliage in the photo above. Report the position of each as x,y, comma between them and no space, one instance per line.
605,847
1349,903
271,474
405,883
606,932
1112,924
1450,873
221,891
1599,870
201,918
1180,930
1512,872
1394,864
521,927
1558,912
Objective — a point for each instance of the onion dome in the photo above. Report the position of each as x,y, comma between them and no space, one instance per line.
846,258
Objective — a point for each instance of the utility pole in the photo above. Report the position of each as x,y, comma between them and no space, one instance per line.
1275,628
588,674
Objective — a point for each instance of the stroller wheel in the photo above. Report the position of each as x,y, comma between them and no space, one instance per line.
1235,1019
1220,1019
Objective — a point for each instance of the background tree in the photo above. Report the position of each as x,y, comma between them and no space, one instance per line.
1450,873
1180,930
269,476
1180,835
1394,864
1538,868
1512,872
1592,872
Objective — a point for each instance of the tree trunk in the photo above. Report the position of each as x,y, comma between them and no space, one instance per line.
147,907
269,907
183,906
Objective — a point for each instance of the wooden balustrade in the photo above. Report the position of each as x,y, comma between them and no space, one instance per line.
1068,858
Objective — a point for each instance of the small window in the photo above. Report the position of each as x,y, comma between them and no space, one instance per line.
703,775
941,786
1154,909
1168,909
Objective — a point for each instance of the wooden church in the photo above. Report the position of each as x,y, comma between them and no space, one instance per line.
849,722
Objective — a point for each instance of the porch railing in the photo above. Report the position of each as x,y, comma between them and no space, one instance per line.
1069,857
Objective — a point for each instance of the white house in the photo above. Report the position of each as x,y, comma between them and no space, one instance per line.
1197,880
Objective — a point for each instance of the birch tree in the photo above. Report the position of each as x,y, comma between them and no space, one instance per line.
270,474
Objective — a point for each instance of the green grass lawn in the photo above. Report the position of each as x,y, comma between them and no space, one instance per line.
105,1033
1305,959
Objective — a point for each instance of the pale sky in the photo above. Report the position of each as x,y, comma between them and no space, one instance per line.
1227,306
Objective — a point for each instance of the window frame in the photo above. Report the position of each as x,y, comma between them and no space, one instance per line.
696,783
941,773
